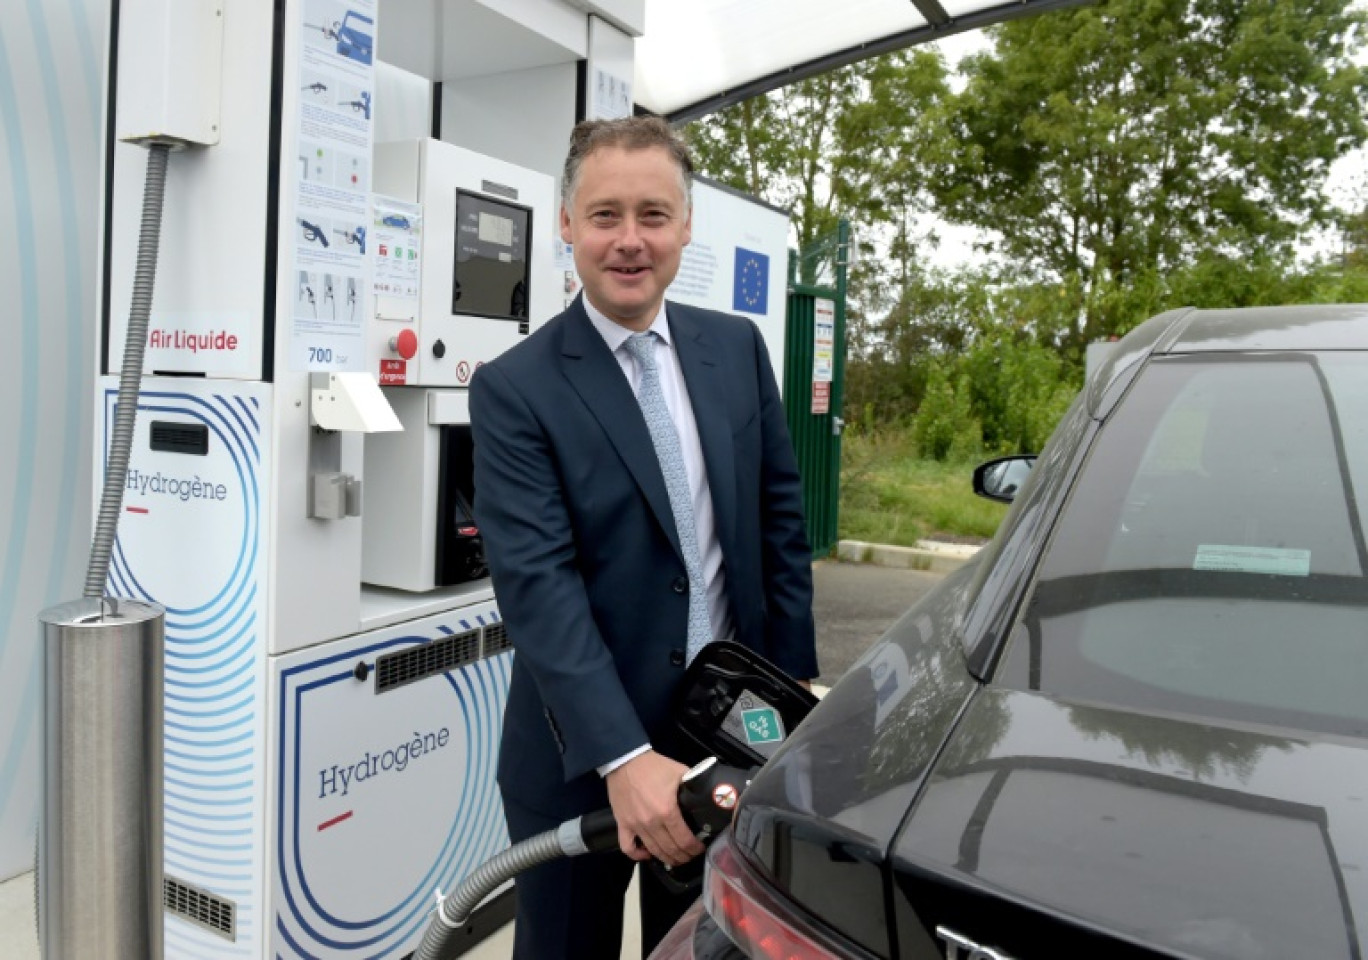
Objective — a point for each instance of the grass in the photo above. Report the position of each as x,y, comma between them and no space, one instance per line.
890,495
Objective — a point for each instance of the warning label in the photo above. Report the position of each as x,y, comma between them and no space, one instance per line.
393,373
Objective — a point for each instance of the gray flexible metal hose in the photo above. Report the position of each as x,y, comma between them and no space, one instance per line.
595,832
130,377
454,910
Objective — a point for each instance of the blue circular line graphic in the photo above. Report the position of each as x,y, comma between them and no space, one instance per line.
476,687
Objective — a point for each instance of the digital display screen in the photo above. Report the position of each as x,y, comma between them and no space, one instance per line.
493,258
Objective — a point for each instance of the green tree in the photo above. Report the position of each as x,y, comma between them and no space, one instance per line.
1112,144
993,328
835,146
944,427
926,315
1018,390
1353,228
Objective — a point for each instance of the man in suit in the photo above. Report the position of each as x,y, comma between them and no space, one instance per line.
638,496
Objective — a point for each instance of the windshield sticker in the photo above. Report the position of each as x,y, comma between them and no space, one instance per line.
1284,563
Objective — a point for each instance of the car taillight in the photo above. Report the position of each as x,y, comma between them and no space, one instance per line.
758,922
468,531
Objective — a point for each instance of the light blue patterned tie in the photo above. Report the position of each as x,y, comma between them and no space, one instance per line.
665,439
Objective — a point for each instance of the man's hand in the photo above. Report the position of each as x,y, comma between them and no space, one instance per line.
644,794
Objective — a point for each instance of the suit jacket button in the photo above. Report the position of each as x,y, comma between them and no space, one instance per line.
677,658
680,585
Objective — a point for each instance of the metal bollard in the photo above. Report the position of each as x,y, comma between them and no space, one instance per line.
99,882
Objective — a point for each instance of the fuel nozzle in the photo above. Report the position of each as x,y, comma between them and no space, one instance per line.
708,795
707,799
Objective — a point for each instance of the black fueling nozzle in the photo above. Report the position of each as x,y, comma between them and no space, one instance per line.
708,795
598,830
707,799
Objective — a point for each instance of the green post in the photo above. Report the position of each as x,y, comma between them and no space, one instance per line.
816,436
837,419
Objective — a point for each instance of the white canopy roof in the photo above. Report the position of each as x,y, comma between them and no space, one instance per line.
700,55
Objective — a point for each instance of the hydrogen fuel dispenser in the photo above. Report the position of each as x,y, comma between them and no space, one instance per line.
298,491
370,216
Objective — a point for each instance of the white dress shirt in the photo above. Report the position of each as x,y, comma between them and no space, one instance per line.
681,413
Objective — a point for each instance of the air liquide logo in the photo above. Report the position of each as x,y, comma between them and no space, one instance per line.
204,341
193,341
193,487
337,780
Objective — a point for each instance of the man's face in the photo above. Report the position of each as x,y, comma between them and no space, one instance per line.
629,223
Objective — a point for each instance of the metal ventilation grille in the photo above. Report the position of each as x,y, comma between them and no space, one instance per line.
417,663
496,639
200,907
171,437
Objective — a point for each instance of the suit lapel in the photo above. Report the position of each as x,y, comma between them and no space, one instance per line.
594,373
704,375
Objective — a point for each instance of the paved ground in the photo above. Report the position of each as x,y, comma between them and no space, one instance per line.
854,604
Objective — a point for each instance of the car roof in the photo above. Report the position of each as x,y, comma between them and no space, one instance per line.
1337,327
1250,329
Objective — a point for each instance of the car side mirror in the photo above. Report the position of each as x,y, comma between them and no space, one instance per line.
1000,479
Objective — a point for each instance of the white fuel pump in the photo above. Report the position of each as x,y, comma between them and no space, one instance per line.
480,250
376,220
328,745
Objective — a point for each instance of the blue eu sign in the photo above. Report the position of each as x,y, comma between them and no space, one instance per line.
750,286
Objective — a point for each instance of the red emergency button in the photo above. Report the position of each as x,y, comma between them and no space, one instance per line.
406,344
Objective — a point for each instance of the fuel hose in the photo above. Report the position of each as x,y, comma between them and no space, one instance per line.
590,833
130,376
707,798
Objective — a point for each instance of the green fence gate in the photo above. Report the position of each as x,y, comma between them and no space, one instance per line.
814,378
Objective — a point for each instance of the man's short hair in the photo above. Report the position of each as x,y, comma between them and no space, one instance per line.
628,133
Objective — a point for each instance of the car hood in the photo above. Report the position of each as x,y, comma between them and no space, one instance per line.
1194,836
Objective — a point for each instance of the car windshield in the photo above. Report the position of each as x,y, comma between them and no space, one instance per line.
1211,556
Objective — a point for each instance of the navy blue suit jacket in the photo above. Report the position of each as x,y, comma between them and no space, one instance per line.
583,551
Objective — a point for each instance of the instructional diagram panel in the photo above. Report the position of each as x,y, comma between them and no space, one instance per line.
333,140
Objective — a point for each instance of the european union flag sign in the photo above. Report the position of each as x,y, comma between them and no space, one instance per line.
750,283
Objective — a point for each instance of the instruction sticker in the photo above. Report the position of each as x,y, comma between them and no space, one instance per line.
762,726
332,176
1274,560
397,228
756,723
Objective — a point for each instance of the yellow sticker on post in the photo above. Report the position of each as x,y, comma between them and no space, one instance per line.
1241,559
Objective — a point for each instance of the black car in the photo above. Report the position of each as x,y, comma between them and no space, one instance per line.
1135,725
